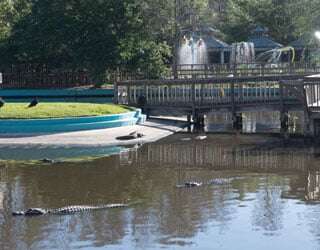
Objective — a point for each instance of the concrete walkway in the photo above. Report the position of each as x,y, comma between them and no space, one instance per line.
153,130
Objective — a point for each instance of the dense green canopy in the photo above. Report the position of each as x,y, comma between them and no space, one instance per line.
140,35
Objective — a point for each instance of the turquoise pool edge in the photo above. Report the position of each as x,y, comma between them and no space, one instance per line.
60,125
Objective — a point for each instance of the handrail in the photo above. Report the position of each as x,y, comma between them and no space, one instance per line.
203,71
223,91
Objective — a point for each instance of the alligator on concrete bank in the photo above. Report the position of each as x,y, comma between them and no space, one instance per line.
66,210
131,136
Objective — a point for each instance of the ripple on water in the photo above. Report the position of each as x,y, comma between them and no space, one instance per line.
270,203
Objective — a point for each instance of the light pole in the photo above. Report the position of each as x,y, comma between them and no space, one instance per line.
317,35
176,37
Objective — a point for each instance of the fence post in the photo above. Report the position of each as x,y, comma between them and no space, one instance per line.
233,103
201,93
129,94
308,128
284,118
115,93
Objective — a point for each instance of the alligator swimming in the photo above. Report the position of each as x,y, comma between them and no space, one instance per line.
66,210
190,184
218,181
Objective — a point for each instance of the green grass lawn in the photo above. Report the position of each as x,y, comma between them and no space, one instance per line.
58,110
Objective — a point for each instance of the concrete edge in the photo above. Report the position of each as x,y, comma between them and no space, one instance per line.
153,130
14,127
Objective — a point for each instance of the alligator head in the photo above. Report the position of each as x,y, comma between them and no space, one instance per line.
190,184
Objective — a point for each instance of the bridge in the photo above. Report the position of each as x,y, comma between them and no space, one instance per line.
197,95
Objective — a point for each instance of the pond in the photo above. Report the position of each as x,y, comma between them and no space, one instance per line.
265,195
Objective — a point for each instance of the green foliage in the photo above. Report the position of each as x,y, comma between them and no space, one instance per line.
89,34
286,20
141,35
145,56
10,12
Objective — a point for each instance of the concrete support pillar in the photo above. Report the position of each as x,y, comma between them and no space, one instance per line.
284,123
198,120
147,111
237,121
222,57
316,127
308,128
189,122
189,119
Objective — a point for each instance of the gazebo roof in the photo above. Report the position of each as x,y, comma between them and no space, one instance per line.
260,30
208,34
214,43
261,39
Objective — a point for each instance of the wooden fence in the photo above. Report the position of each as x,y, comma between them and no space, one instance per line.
41,76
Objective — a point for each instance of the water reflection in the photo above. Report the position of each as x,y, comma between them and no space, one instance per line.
255,122
266,200
269,208
226,152
30,152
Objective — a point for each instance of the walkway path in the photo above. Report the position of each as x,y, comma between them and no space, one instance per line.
153,130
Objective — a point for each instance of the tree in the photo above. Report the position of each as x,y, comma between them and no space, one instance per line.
98,35
10,12
286,20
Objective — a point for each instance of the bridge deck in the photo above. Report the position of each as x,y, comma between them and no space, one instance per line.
225,93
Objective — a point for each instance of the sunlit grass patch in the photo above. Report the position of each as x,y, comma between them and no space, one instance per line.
59,110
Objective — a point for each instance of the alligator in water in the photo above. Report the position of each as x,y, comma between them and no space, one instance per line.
190,184
66,210
218,181
49,161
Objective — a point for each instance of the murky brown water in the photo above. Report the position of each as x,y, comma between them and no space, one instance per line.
269,201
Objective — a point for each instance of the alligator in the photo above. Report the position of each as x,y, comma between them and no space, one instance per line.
66,210
190,184
217,181
130,136
49,161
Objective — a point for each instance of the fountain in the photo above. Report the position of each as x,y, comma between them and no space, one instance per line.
192,53
242,53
